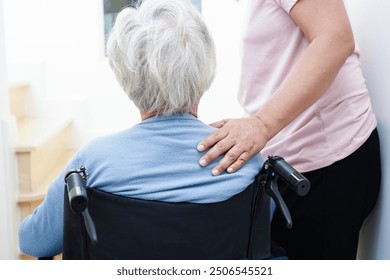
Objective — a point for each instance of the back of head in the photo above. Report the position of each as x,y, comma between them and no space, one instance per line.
162,55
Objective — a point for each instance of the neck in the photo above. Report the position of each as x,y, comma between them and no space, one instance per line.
146,115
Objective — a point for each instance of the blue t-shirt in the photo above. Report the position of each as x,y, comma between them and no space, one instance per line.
153,160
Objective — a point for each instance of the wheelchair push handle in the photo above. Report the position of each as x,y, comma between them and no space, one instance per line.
75,182
292,177
78,199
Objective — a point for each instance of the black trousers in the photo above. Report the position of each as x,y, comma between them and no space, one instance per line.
327,221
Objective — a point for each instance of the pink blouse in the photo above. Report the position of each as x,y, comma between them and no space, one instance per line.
332,128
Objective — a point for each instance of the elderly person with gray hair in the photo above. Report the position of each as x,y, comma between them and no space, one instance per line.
164,59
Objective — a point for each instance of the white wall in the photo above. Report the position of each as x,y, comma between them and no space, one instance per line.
4,101
370,20
8,188
7,183
225,20
58,47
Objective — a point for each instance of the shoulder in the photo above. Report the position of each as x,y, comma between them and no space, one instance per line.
109,141
286,5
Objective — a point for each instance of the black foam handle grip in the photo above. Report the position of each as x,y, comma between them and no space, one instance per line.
299,183
78,198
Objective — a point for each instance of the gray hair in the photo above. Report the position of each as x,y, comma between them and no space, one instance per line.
163,55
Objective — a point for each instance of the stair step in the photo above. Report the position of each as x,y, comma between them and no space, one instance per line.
17,94
41,190
41,142
33,132
28,201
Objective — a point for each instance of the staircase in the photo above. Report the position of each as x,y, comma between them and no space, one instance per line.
41,150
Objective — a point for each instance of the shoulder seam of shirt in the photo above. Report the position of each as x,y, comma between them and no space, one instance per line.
286,5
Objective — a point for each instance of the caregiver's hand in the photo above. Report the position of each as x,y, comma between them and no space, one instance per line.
238,139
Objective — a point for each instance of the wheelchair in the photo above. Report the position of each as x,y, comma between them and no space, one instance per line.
100,225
